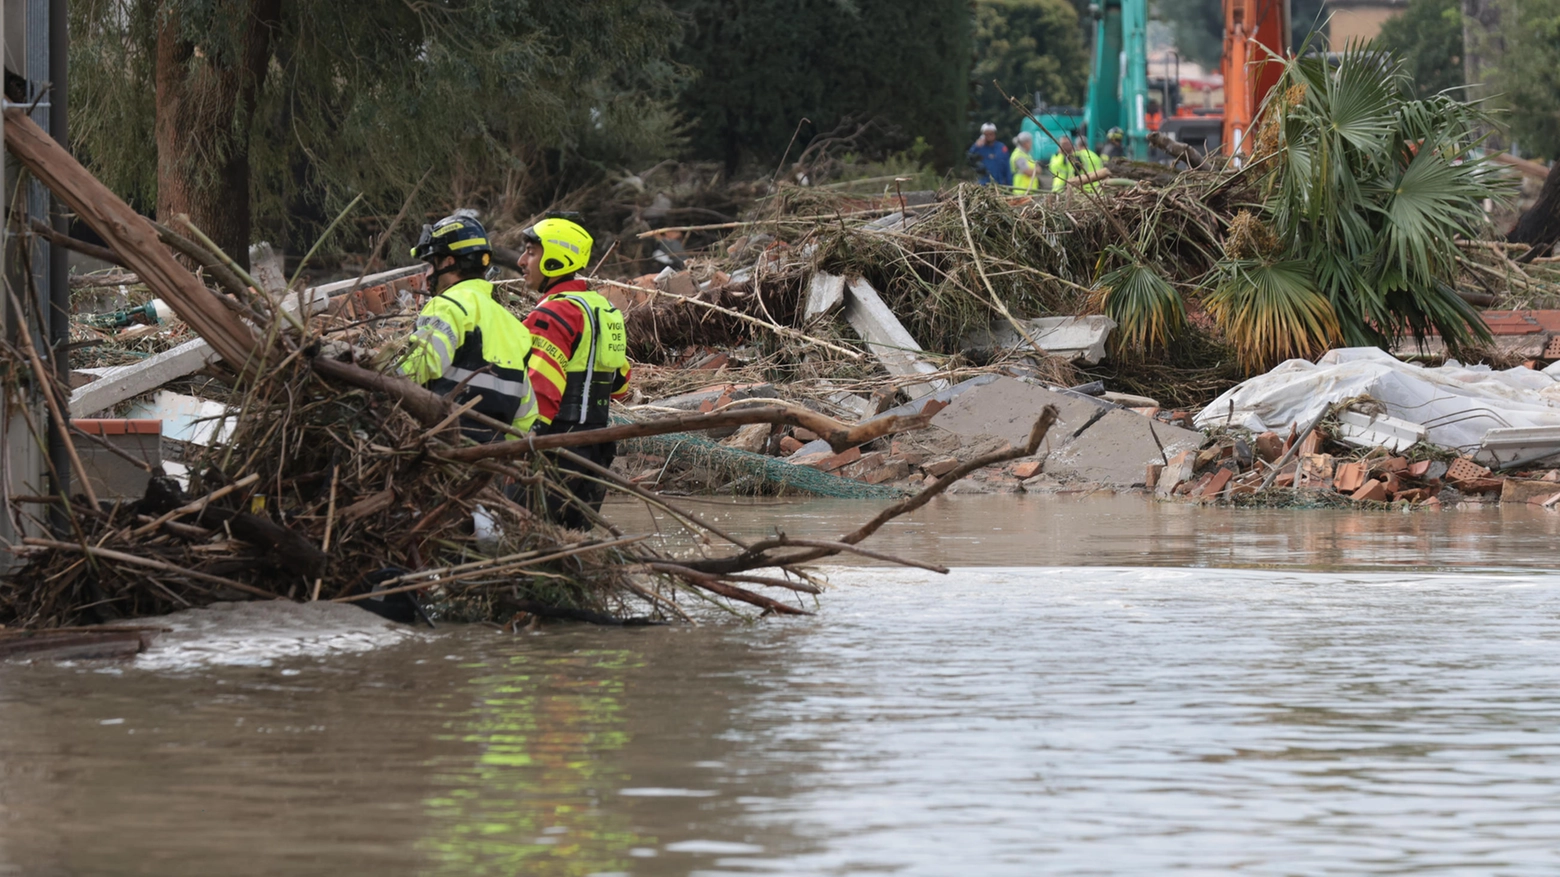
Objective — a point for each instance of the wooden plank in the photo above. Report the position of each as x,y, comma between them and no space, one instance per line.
123,382
131,236
887,338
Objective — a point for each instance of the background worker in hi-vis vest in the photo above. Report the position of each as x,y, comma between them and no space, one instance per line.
579,357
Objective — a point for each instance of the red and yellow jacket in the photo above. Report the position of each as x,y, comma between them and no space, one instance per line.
572,386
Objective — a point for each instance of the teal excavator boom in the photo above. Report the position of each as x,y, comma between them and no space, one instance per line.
1118,75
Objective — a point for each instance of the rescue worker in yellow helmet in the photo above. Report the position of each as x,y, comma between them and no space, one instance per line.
579,358
464,340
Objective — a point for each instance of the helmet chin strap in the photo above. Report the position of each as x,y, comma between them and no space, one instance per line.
433,279
550,282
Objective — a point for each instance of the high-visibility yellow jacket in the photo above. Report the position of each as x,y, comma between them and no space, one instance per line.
1025,172
464,339
580,359
1083,163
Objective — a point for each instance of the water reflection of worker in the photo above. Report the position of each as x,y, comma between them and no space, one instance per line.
1025,172
1072,161
1113,147
990,158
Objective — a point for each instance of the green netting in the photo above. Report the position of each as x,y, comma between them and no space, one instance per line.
744,472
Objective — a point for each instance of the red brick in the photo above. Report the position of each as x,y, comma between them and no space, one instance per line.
789,446
1390,464
1464,469
836,461
1419,469
115,426
939,468
804,435
1349,477
1027,469
1217,483
1433,503
893,470
1373,490
1269,446
1285,479
1316,467
1312,443
1151,477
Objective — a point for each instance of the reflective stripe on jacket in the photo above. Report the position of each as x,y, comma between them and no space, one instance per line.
579,358
1082,163
464,340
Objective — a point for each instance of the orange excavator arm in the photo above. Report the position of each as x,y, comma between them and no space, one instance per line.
1254,32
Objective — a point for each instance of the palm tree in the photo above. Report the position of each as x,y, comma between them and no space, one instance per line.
1366,190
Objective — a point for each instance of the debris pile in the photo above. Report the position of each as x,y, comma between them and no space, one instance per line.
341,482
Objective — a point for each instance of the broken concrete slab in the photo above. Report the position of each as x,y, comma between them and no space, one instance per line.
1081,339
941,397
887,339
1007,408
1361,430
187,418
1117,448
825,295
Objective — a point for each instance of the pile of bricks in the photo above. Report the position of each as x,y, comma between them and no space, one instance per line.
1235,466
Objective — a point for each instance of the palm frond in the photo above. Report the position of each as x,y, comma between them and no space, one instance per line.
1271,311
1149,313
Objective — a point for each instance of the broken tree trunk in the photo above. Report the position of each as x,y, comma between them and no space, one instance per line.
1540,226
131,236
205,108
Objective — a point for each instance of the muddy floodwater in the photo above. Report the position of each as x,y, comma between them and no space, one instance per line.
1101,686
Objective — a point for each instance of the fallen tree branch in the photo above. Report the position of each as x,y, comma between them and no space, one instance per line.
711,583
132,237
423,404
150,563
755,559
838,435
47,232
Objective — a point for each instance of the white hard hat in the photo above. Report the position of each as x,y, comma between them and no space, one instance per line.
987,127
1023,136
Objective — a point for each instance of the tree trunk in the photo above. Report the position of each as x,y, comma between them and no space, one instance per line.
207,84
1540,226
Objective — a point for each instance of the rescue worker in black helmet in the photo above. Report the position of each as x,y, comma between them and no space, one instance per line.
464,340
579,355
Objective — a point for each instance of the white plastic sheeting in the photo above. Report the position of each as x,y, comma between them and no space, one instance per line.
1457,404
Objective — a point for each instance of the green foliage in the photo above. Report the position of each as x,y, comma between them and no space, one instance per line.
765,65
502,101
1371,187
1026,46
1198,26
1271,311
1149,313
1428,36
1528,75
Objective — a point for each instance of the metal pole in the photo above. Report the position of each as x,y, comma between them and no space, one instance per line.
59,265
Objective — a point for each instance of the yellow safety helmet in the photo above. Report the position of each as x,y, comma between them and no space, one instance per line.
565,245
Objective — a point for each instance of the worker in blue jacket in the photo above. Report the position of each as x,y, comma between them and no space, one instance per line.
989,157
